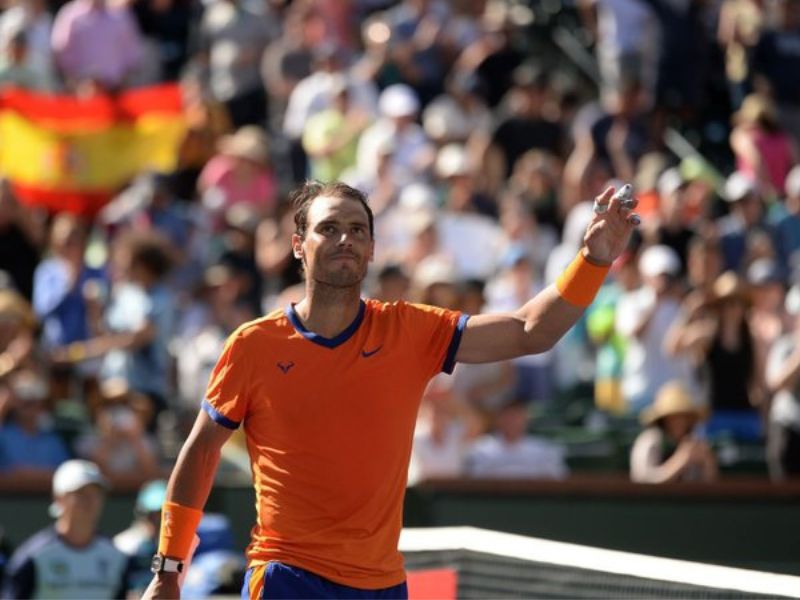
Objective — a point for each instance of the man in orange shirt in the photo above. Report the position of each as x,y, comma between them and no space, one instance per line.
328,391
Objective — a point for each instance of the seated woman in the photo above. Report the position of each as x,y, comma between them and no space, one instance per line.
668,449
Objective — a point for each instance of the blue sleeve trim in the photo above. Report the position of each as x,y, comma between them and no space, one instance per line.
455,342
218,417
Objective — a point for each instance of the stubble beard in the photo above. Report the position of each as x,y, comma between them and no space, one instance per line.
340,279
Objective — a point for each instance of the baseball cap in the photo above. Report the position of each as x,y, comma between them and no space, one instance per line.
670,181
417,197
792,183
151,496
452,161
764,271
659,260
75,474
739,186
398,100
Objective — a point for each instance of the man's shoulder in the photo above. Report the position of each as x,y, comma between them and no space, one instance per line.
33,547
402,310
271,324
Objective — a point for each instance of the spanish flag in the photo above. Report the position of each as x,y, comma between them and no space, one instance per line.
73,154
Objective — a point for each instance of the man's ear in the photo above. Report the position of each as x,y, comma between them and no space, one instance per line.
297,246
372,251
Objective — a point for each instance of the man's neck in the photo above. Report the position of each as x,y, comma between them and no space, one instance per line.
327,311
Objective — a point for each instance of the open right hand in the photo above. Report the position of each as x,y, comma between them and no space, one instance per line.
163,586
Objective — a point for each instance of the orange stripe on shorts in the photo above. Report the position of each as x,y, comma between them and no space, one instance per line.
256,583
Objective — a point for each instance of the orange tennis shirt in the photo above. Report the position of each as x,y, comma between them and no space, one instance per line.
329,424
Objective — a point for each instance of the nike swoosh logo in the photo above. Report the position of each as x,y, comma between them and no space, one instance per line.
366,354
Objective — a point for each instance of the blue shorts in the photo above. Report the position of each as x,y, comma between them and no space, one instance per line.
285,581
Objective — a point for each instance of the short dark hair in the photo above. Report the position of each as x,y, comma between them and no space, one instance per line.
302,197
150,252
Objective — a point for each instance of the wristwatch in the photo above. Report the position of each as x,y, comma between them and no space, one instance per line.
162,564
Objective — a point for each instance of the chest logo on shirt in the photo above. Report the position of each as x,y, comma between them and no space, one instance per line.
285,366
368,353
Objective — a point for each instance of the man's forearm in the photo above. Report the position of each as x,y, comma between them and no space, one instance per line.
547,318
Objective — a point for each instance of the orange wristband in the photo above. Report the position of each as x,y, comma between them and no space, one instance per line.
579,283
178,525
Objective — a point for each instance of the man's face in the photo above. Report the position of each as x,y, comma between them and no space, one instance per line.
337,247
83,505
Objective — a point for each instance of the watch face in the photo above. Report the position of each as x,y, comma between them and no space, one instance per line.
156,563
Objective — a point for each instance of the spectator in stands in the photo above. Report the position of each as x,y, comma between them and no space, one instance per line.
165,26
613,135
205,325
527,127
670,448
683,59
459,114
31,19
392,284
21,239
670,226
17,332
517,277
288,59
404,45
140,541
149,204
738,31
65,289
70,560
627,35
317,93
775,58
441,438
241,173
96,44
435,282
15,71
535,180
746,217
783,380
493,55
714,332
232,38
139,321
767,317
643,318
764,151
119,445
510,452
457,177
600,326
412,153
207,121
330,137
30,451
704,263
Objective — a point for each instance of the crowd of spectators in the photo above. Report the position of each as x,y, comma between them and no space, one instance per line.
481,145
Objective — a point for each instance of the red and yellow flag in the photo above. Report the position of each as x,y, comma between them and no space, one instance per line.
74,154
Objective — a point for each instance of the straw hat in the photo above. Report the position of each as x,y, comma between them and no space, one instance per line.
249,142
672,399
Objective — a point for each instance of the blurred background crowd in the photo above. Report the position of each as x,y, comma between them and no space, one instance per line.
481,130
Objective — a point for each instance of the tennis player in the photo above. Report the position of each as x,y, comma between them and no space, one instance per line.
327,391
